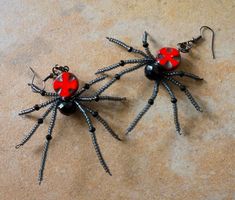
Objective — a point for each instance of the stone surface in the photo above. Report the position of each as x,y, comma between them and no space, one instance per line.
153,162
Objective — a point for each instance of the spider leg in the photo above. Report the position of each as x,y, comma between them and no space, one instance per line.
146,45
185,90
92,82
174,104
36,89
37,106
145,109
121,63
117,77
181,74
102,98
127,47
46,146
35,127
96,115
94,140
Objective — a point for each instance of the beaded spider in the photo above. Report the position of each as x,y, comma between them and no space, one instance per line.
67,99
160,69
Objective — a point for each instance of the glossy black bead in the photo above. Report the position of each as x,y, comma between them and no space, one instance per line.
150,101
117,76
36,107
92,129
43,93
67,107
122,63
145,45
182,88
40,121
130,49
152,72
97,98
48,137
95,114
173,100
86,86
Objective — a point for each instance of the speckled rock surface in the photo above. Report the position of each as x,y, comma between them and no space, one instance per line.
153,162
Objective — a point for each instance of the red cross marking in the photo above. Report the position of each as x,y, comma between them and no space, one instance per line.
169,58
66,84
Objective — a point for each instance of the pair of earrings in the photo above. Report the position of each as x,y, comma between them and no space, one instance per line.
68,98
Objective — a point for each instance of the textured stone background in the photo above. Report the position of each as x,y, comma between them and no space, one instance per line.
153,162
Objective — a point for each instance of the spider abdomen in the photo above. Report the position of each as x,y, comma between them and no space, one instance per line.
67,107
153,72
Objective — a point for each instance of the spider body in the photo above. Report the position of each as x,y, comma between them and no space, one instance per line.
68,99
161,69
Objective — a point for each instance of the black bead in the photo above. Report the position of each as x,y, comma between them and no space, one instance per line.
182,88
130,49
95,114
152,72
43,93
92,129
97,98
36,107
181,74
67,107
150,101
173,100
145,45
122,63
40,120
117,76
48,137
86,86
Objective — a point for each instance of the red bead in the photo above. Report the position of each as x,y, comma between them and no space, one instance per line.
169,58
66,84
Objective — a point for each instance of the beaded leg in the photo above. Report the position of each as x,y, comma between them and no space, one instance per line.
46,146
117,77
92,82
127,47
174,104
121,63
145,109
96,115
146,45
181,74
37,107
35,127
36,89
93,137
185,90
102,98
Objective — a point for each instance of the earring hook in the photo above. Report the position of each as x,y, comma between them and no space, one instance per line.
186,46
212,40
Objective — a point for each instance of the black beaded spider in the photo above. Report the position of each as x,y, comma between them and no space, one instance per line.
68,99
159,69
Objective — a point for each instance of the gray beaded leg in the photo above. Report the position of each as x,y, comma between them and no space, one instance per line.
121,63
36,89
181,74
145,109
96,115
185,90
146,45
117,77
92,82
37,106
127,47
174,104
101,98
46,146
93,137
35,127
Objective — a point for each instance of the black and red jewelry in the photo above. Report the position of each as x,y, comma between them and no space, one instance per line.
160,69
68,99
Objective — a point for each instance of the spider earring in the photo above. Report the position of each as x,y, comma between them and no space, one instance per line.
160,69
67,99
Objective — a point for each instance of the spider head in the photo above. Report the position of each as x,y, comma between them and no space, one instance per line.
153,71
